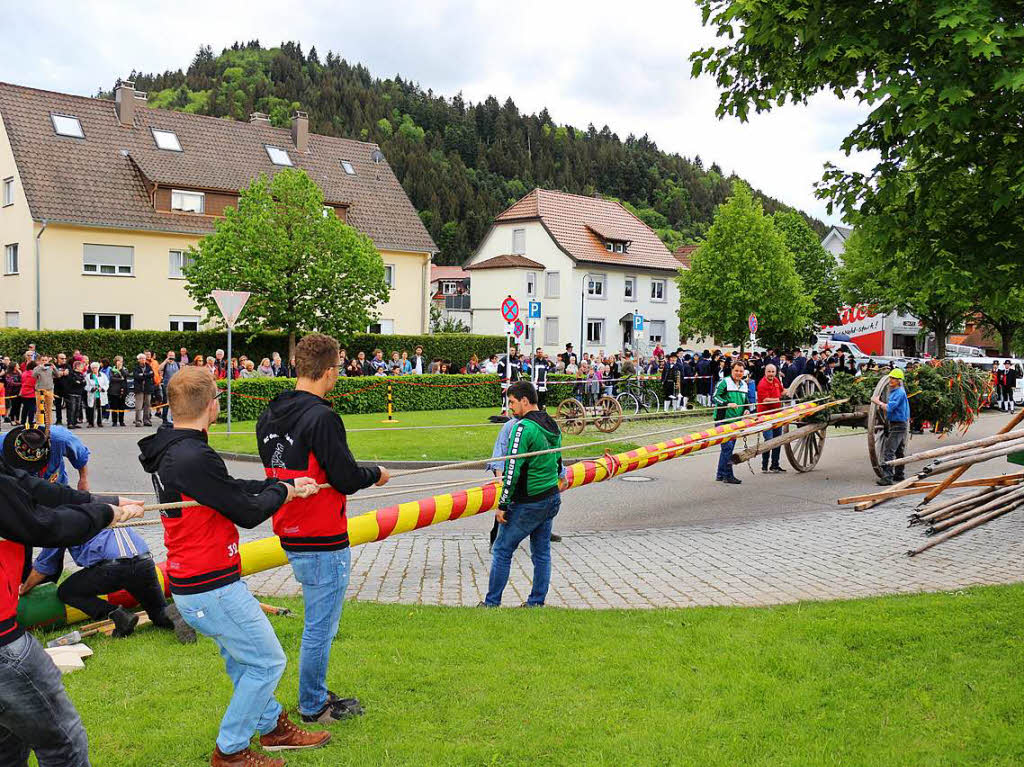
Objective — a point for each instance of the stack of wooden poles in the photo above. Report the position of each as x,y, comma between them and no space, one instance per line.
988,499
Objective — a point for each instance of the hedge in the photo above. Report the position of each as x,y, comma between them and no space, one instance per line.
98,344
368,394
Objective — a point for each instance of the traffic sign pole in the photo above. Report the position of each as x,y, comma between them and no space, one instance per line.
230,303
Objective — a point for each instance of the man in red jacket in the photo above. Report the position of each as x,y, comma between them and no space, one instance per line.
204,568
300,435
36,713
769,399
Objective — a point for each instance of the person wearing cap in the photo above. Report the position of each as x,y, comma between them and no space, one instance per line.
1007,381
897,411
111,561
36,713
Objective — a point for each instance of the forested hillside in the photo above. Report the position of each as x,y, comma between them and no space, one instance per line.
460,163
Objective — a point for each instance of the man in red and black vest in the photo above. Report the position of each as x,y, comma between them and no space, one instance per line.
35,711
204,567
300,435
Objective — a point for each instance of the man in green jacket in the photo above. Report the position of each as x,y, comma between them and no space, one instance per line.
529,497
731,400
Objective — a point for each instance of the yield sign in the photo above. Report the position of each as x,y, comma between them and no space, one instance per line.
510,309
230,303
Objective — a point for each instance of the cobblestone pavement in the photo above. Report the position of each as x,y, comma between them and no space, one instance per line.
831,555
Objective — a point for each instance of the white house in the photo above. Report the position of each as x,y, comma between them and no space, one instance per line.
449,292
591,263
835,240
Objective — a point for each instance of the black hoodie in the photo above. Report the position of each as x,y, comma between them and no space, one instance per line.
299,435
202,541
34,512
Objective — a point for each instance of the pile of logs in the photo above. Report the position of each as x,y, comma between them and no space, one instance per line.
989,498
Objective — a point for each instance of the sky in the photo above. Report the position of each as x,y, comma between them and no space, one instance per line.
624,65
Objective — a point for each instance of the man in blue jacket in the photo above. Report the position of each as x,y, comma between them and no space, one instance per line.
897,410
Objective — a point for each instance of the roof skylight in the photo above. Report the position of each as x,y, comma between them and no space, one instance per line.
66,125
166,139
348,167
278,156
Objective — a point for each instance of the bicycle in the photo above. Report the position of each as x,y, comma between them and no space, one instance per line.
635,397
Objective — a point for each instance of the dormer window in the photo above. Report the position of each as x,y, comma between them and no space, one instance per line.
278,156
616,246
347,167
67,125
188,202
166,139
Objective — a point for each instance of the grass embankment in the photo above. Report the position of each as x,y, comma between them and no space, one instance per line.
922,680
398,443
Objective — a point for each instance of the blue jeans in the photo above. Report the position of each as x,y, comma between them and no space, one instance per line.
725,458
36,713
324,577
532,520
252,654
774,454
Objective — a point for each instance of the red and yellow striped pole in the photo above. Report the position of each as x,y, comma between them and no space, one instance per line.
42,608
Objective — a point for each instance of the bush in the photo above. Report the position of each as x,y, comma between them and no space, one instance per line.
99,344
369,394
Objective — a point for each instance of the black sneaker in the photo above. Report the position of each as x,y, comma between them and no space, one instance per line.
556,538
884,481
351,703
764,469
732,481
336,710
182,631
124,622
778,470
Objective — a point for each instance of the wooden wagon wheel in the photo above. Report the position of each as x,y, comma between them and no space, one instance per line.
572,416
878,426
607,414
803,454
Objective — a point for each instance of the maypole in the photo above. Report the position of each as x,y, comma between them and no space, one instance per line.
41,608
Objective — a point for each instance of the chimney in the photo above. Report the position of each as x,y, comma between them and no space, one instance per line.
300,131
259,117
124,102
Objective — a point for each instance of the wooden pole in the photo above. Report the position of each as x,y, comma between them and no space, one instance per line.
976,522
948,449
952,462
924,487
1010,426
892,492
950,506
764,447
1008,496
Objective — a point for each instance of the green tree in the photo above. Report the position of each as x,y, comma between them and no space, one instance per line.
892,281
306,270
815,265
743,267
441,324
1002,309
945,82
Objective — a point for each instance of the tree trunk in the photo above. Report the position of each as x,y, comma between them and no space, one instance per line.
1006,334
291,346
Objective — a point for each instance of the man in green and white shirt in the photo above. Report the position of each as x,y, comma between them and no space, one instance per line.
730,398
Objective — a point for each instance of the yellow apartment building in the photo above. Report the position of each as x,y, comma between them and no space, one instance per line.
100,201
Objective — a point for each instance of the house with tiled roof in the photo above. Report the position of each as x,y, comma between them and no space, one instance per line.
101,200
449,290
591,264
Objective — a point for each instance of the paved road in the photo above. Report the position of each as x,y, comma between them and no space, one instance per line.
677,539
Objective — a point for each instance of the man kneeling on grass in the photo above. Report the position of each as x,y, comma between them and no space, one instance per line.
529,497
204,567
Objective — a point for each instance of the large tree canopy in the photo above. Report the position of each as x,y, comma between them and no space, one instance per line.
815,265
743,267
306,270
940,297
944,78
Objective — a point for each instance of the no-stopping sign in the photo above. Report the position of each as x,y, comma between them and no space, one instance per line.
510,309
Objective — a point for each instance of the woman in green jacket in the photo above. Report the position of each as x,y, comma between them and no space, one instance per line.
730,398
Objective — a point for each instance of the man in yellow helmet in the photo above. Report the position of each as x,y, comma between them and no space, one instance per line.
897,411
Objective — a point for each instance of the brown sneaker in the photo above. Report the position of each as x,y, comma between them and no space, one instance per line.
246,758
288,736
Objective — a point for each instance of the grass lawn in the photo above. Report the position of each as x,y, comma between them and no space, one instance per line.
444,444
921,680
